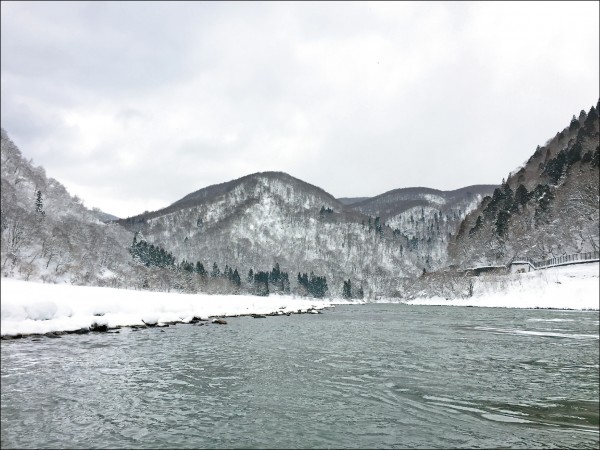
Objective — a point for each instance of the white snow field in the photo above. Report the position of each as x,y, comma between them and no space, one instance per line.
37,308
565,287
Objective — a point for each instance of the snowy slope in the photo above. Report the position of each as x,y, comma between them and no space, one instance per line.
425,219
268,218
566,287
547,208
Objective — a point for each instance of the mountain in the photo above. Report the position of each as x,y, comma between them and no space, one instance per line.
351,200
266,232
269,218
425,218
393,203
546,208
49,235
103,216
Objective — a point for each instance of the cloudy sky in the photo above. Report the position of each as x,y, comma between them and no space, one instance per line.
134,105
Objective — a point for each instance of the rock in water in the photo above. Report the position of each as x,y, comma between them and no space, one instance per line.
99,328
220,321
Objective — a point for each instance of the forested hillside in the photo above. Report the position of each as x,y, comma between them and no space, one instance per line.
270,218
271,233
424,219
547,208
49,235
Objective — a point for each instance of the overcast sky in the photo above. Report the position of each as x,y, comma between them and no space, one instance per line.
134,105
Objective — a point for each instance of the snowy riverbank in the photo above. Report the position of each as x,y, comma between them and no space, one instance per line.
37,308
566,287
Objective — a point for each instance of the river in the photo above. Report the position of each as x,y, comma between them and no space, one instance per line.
356,376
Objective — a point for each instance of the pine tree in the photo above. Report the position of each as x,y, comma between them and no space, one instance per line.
347,290
200,269
502,222
236,279
39,204
574,123
521,195
261,283
590,119
478,224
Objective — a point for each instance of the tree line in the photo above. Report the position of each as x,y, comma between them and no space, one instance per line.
163,271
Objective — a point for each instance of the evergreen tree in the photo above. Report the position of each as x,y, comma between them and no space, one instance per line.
200,269
228,273
543,196
502,222
574,123
596,158
275,275
261,283
478,224
521,195
317,286
555,168
236,281
590,119
216,272
39,204
347,289
574,153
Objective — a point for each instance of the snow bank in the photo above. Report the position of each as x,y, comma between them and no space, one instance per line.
30,308
37,308
566,287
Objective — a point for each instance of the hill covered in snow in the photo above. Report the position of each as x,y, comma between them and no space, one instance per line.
544,209
269,232
264,219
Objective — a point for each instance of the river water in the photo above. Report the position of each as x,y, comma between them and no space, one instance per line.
360,376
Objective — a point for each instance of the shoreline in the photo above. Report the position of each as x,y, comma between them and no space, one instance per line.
200,321
32,308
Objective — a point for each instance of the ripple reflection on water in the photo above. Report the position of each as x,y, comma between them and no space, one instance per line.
357,376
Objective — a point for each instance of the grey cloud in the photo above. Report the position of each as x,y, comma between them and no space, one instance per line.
155,100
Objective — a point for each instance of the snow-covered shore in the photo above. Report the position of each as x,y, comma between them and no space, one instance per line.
566,287
37,308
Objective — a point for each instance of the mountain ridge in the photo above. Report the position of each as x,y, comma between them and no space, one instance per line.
384,244
547,207
215,191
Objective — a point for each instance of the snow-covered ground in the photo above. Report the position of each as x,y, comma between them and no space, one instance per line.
565,287
30,308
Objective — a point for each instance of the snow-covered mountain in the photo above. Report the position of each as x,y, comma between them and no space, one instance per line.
270,227
546,208
425,218
351,200
49,235
271,218
393,203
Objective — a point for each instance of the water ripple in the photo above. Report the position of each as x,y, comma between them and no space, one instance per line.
371,376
